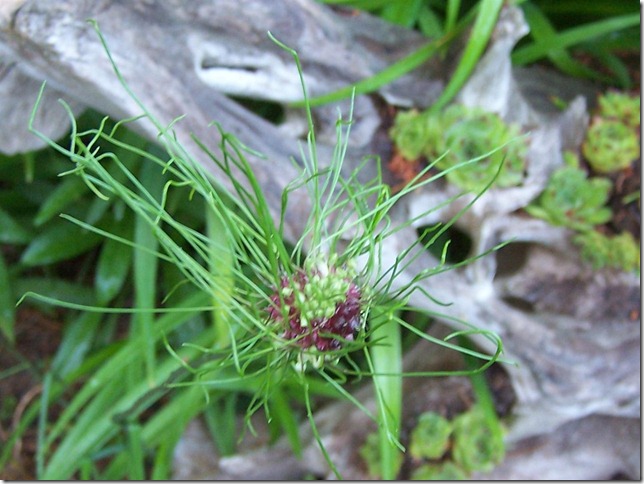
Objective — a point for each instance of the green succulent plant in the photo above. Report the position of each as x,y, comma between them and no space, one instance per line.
620,251
572,200
430,438
612,141
461,133
620,106
443,471
413,131
476,446
452,449
610,145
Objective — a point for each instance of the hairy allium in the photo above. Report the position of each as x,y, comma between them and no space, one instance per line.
316,306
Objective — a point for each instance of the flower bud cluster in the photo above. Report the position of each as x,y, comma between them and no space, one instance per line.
318,307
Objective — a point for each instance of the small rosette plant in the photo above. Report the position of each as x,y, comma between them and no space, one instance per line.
467,138
612,142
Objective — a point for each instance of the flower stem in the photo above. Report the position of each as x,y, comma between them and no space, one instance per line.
386,355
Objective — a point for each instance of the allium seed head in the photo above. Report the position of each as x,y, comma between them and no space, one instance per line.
317,308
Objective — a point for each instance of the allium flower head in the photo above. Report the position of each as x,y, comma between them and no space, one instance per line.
318,307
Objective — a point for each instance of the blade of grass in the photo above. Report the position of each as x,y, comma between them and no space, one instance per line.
486,18
541,30
221,265
451,16
134,449
7,303
59,241
145,266
94,426
76,342
402,12
66,192
114,262
387,75
573,36
11,231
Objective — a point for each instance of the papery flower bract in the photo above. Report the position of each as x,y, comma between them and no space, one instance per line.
318,307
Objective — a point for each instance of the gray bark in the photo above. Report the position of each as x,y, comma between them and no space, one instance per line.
570,329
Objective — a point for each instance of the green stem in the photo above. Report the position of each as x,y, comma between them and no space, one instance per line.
386,355
221,266
145,273
481,389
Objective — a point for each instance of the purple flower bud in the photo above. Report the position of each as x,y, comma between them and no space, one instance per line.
317,309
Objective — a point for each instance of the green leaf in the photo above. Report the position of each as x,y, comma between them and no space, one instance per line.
77,340
55,288
478,40
113,264
541,30
386,76
7,303
402,12
66,193
573,36
12,232
59,241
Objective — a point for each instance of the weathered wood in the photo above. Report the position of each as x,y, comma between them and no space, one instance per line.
570,329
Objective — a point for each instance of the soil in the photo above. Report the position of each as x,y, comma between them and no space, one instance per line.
37,338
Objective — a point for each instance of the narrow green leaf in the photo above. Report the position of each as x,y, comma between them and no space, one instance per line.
385,76
60,241
55,288
163,430
479,37
219,416
7,303
136,455
77,340
12,232
402,12
66,193
113,264
429,24
573,36
453,8
286,417
541,30
145,269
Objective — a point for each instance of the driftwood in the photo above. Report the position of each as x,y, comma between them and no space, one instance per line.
572,331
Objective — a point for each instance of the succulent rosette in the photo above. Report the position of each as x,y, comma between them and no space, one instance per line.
318,308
